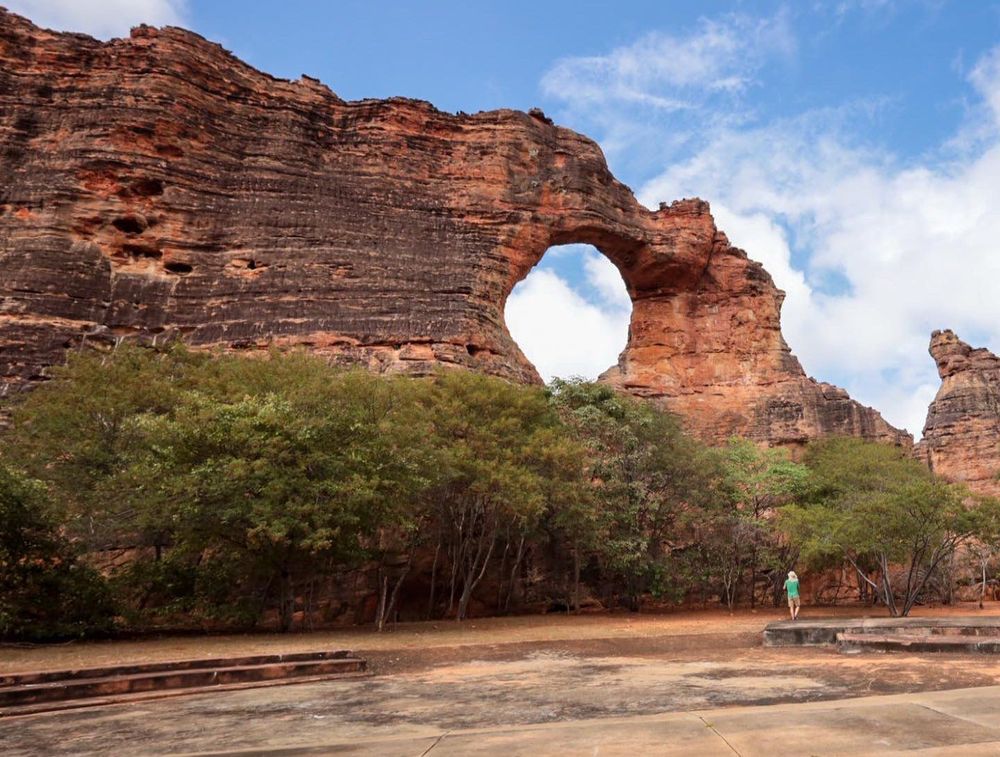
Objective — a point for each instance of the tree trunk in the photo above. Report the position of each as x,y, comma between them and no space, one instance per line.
387,601
982,591
503,568
434,565
383,590
576,578
470,579
286,605
888,595
513,573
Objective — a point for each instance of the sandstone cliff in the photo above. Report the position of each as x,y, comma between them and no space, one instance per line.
157,186
962,433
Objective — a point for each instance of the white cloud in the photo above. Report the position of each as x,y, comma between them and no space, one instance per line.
100,18
606,280
909,247
673,72
874,250
649,100
985,77
563,333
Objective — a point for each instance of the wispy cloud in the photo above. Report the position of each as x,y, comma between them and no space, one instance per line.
648,100
671,72
100,18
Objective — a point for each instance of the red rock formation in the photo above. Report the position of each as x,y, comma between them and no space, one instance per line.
962,433
159,186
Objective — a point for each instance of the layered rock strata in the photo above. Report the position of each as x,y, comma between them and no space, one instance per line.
156,186
962,433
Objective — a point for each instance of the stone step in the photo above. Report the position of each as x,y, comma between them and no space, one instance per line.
981,631
160,680
20,679
813,631
146,696
851,642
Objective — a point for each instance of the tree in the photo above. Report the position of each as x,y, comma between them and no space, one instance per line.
77,433
286,484
758,481
873,505
46,592
985,547
493,449
251,478
649,478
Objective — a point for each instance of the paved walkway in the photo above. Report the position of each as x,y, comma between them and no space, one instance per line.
957,722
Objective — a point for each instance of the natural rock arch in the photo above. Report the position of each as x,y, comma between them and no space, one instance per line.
383,232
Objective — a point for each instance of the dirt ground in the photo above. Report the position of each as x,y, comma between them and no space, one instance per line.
409,643
435,677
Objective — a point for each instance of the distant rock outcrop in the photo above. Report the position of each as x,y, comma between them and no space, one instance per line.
157,186
962,433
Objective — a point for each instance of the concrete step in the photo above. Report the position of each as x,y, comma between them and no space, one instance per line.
20,679
146,696
813,631
979,631
850,643
18,695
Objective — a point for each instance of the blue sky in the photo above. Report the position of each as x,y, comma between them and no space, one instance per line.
852,146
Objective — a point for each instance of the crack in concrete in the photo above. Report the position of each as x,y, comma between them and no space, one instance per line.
716,732
953,716
436,742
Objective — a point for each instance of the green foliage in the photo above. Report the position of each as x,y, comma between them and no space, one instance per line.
651,479
263,488
884,513
45,591
743,537
247,477
501,462
238,485
78,432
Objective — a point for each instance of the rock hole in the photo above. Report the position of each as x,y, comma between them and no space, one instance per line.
570,315
142,251
130,224
169,151
242,266
146,187
176,267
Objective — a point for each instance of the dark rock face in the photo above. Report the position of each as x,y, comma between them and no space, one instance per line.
962,433
158,187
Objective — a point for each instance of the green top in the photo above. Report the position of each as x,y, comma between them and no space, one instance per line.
792,587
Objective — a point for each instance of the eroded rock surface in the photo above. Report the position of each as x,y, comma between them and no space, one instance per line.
962,433
158,186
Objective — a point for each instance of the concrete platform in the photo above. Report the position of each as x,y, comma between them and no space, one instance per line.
958,722
815,631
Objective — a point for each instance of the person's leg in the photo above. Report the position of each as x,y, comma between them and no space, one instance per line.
796,608
791,607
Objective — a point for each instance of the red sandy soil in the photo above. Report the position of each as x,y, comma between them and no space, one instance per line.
413,639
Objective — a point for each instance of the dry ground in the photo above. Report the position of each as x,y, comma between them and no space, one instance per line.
435,677
413,641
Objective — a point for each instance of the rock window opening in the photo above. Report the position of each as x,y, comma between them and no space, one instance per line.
570,315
